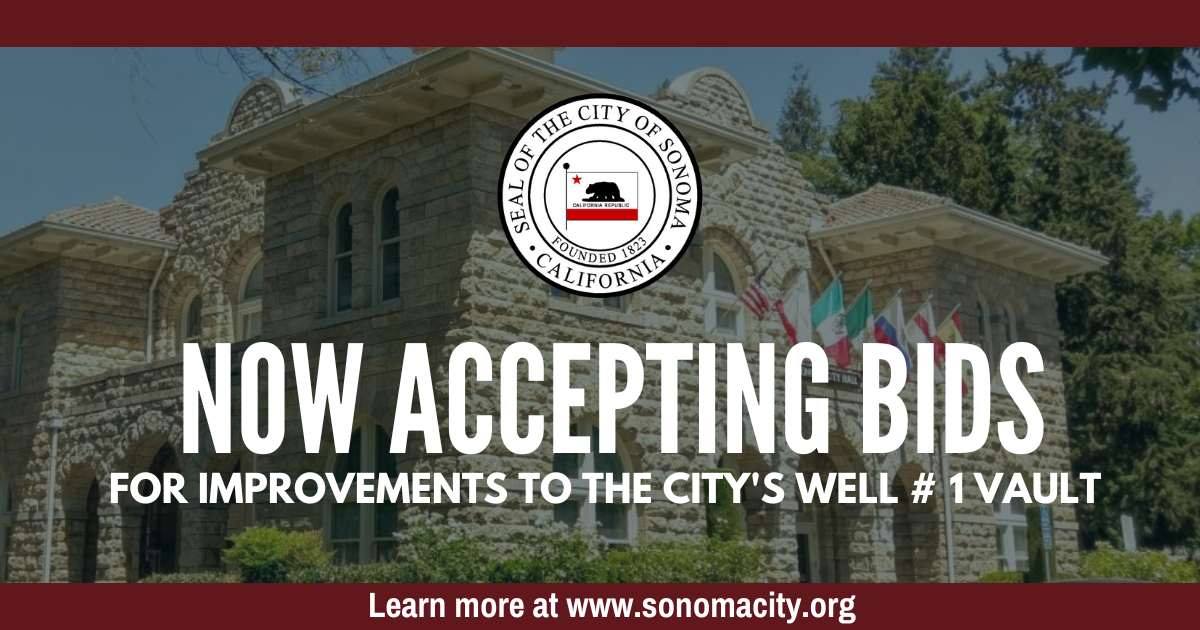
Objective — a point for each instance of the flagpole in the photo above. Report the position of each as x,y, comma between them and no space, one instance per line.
861,291
831,283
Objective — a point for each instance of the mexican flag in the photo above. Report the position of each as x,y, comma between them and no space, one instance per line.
829,320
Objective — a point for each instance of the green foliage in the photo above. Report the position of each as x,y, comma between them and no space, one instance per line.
190,578
435,551
377,573
553,554
1030,144
550,555
723,515
919,128
711,561
1149,566
800,128
266,554
1002,577
1156,76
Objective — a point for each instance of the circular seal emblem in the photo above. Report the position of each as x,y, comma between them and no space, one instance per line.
599,195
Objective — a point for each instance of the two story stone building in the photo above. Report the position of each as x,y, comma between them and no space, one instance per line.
370,216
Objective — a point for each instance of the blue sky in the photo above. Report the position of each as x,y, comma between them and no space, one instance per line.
80,126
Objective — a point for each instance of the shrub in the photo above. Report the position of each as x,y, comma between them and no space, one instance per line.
1151,566
708,561
266,554
379,573
1002,577
434,551
553,554
190,578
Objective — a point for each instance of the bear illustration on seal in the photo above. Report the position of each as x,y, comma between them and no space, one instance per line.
604,191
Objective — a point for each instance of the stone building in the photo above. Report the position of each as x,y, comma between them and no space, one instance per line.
371,217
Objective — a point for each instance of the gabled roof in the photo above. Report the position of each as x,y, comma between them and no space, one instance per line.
880,201
115,216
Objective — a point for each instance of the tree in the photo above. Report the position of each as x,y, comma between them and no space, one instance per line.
1156,76
1130,356
804,136
919,128
1026,144
800,127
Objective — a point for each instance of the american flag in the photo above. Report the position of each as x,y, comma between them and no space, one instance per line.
757,297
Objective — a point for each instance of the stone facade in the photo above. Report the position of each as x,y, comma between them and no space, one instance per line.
87,354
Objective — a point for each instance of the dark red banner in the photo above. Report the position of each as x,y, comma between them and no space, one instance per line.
599,605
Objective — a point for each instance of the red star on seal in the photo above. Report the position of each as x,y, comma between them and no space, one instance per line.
576,178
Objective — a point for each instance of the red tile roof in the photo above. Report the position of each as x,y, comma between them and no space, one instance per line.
880,201
115,216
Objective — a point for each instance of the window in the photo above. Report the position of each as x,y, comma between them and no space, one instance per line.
361,533
193,321
983,327
618,303
10,355
6,520
342,269
1012,542
560,294
250,306
389,245
615,522
722,313
1008,326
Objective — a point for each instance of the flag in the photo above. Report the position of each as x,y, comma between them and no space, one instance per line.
795,311
920,330
951,332
860,319
888,328
829,320
601,196
757,297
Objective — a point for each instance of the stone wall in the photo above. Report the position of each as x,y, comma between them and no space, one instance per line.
462,282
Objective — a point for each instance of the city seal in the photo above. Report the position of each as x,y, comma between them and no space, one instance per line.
599,195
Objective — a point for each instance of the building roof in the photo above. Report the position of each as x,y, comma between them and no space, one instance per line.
886,219
435,82
115,216
880,201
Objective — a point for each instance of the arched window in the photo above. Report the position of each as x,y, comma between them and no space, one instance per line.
341,272
722,314
983,329
6,521
250,303
389,245
361,533
1008,324
1012,530
193,322
615,522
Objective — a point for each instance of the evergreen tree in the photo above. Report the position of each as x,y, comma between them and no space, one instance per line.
803,135
800,127
1027,145
919,128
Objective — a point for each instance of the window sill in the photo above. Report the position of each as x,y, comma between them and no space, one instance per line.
595,312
